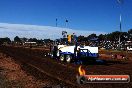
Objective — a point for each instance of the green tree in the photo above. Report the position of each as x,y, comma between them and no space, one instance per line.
91,36
124,36
114,36
101,37
80,38
130,34
17,39
33,40
5,40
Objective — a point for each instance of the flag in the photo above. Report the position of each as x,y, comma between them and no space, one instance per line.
66,20
69,38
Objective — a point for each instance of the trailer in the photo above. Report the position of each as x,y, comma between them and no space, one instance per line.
74,53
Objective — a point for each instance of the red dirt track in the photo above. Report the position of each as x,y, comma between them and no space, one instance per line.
65,74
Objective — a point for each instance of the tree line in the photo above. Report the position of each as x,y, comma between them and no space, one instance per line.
114,36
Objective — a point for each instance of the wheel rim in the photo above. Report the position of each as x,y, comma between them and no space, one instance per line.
62,57
68,58
51,55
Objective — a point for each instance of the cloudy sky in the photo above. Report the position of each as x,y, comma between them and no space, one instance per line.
40,32
84,16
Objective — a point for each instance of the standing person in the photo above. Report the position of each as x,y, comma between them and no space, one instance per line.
55,49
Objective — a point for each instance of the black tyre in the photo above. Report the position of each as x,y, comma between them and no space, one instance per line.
62,58
68,58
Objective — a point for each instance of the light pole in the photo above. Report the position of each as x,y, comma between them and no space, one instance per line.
56,22
120,3
120,33
66,23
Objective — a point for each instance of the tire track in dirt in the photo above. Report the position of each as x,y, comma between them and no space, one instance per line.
68,72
